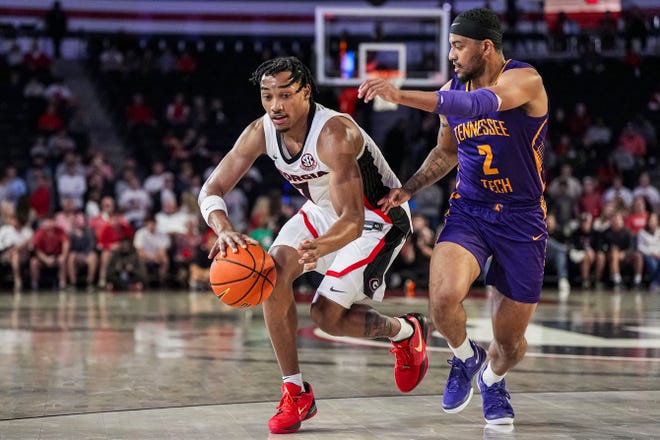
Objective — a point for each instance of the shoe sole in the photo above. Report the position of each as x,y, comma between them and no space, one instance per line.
294,428
462,406
500,421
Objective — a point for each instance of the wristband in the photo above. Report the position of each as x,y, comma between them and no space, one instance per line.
210,204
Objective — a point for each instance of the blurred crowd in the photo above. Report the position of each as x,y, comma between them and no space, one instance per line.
72,217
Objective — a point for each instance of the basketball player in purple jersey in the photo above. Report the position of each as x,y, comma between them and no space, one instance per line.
493,121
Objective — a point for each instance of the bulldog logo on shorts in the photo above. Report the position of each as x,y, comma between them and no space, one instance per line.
307,161
374,284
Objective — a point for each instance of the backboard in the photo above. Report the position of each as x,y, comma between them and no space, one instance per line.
353,43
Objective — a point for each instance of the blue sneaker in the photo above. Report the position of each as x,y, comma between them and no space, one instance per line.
497,409
458,390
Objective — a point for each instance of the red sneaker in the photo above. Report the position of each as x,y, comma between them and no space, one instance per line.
296,405
411,361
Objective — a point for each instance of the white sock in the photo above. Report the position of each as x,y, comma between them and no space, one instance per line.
463,351
294,378
489,377
405,332
638,279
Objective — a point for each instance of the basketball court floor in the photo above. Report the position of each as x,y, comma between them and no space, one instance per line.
179,365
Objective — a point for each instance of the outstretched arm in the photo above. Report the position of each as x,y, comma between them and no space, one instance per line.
250,144
515,88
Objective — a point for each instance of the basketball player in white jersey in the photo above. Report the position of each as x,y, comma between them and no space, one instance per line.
339,231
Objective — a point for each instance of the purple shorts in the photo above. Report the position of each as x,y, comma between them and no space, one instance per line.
514,236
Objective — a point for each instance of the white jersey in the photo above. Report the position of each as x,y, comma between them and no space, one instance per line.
310,176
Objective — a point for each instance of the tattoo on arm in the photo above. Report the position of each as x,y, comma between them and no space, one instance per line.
436,165
377,325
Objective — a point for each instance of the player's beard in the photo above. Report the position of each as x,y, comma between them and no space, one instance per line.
479,68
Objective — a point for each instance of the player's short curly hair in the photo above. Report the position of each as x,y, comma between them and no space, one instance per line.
299,72
485,18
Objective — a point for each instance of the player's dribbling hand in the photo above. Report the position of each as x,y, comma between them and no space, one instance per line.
396,197
232,240
373,87
309,254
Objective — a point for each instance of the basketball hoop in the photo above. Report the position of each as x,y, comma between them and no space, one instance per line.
396,78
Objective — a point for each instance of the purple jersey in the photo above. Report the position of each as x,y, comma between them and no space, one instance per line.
500,154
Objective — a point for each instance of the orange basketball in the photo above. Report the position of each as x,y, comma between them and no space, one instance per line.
243,279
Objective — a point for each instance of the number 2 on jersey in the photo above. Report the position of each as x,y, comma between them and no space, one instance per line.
485,150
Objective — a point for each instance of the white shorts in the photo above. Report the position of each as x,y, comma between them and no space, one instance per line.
356,271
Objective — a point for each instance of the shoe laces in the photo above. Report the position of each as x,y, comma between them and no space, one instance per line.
457,374
287,403
402,353
498,396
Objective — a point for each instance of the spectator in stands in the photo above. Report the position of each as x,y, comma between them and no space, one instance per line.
37,166
422,241
199,114
12,186
618,193
60,143
635,30
558,32
72,184
14,56
135,202
125,269
139,113
619,248
563,205
632,141
428,203
51,249
153,247
648,191
111,60
166,61
82,252
186,64
36,61
41,197
65,218
585,244
50,121
156,180
557,255
591,200
603,221
34,89
648,251
170,219
199,266
636,220
56,23
607,31
15,242
185,248
59,93
598,135
573,186
579,121
108,240
177,112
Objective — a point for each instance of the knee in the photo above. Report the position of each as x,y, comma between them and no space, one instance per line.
511,348
444,300
323,320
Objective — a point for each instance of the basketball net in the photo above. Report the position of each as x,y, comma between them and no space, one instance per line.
396,78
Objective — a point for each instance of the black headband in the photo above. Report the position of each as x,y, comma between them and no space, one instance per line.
470,29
